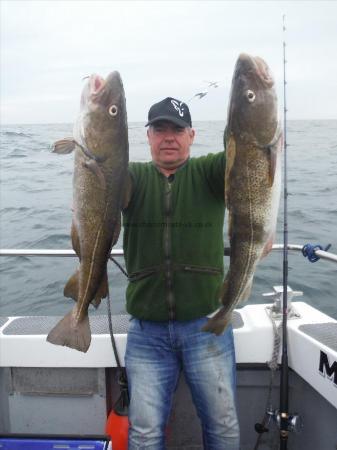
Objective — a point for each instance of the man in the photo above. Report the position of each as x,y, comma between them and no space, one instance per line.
173,245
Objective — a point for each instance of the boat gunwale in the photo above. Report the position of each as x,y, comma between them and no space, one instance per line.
322,254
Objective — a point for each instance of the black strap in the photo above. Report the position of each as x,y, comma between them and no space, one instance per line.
122,404
119,266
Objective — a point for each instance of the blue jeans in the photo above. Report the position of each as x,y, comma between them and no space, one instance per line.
156,353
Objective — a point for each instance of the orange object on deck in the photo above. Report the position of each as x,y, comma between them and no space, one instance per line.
117,428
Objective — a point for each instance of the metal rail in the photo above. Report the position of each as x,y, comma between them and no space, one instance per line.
119,252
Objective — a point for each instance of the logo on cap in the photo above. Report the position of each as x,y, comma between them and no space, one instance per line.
172,110
178,107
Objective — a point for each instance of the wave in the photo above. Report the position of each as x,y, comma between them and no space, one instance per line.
51,241
298,214
11,263
14,209
15,133
325,189
15,155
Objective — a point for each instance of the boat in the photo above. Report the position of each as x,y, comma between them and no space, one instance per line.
56,397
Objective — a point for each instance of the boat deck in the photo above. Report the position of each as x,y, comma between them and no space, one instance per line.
47,389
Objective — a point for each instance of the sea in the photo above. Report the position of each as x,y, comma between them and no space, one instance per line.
36,202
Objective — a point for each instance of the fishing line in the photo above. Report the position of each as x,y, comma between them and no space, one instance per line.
284,376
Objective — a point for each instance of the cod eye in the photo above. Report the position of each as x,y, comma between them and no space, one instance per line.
250,96
113,110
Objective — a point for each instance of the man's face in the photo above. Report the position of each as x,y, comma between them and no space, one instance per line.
169,143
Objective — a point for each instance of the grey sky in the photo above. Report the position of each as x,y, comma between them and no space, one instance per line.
161,49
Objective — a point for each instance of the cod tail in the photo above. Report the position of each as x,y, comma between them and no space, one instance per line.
218,323
71,333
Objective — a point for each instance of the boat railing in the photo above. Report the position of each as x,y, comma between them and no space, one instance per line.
322,254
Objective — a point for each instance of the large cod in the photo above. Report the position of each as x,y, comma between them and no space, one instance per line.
100,141
253,144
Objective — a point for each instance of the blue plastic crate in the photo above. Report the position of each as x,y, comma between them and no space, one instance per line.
52,444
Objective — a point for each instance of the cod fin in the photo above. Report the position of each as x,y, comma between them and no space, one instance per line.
268,246
273,153
73,335
92,165
63,146
272,156
218,323
75,240
116,231
102,291
71,288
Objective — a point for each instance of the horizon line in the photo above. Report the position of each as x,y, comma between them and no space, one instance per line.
144,121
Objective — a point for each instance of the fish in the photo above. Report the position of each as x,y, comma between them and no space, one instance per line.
100,191
253,141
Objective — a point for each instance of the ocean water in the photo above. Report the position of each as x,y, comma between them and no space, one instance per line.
36,200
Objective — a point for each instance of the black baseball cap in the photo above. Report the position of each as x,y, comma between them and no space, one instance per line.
172,110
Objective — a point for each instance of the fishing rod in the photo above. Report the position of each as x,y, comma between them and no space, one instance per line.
287,422
283,416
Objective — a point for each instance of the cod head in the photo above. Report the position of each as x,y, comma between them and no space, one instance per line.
252,110
102,122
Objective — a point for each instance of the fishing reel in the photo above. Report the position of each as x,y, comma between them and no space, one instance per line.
294,422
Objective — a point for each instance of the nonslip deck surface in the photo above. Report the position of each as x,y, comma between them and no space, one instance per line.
325,333
3,320
40,325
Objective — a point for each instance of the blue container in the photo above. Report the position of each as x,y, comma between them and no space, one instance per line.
52,444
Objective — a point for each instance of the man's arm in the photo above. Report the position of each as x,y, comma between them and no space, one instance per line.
129,190
214,165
